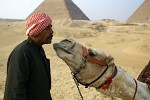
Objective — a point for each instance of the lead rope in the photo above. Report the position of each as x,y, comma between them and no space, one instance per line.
77,85
135,89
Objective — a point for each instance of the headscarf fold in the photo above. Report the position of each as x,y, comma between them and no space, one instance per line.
37,23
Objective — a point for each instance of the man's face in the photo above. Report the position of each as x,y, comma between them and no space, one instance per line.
45,37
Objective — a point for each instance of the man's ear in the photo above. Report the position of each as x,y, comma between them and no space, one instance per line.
109,60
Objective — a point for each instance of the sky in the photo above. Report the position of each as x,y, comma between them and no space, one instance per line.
18,9
119,10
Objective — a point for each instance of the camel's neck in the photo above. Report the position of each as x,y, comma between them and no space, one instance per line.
123,86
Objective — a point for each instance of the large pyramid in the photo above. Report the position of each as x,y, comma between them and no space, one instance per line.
142,14
61,10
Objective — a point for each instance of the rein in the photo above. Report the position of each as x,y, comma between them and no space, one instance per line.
77,84
135,89
107,82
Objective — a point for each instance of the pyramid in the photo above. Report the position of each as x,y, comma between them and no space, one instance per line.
142,14
61,10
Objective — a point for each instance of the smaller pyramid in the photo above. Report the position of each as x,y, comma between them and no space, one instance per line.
142,14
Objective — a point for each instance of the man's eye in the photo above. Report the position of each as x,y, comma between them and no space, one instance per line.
48,27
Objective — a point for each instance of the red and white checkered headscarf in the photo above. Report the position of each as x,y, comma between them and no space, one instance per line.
37,23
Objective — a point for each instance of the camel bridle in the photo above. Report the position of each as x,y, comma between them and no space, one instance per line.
91,59
105,85
88,58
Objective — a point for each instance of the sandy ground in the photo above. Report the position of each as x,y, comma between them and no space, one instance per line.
128,43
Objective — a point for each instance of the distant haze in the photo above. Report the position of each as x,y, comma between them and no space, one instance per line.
94,9
17,9
108,9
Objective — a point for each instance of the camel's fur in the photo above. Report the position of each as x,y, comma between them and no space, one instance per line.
122,86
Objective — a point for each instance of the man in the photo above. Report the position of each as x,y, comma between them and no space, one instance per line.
28,69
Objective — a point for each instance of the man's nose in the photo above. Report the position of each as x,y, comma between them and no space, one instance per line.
52,32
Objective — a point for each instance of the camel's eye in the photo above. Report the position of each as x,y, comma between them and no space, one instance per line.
91,53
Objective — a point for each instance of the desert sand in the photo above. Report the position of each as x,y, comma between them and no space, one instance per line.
128,43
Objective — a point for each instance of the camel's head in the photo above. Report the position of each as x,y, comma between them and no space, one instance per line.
71,52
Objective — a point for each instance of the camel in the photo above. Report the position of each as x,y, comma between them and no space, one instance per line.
93,68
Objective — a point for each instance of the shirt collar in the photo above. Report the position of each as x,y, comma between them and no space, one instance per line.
35,45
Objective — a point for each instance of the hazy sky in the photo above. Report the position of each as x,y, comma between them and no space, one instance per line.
94,9
17,9
108,9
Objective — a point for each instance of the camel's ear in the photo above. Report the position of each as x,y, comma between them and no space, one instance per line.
109,60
